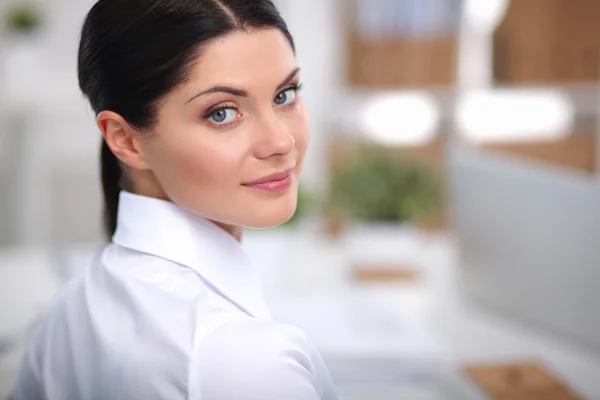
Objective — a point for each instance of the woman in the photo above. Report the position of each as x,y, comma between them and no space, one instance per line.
204,134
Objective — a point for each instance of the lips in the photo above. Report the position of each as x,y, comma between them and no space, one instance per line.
271,178
275,183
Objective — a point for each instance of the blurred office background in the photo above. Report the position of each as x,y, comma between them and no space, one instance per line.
446,244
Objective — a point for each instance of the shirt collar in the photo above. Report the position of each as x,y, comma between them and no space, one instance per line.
163,229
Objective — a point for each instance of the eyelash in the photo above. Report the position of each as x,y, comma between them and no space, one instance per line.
219,108
296,87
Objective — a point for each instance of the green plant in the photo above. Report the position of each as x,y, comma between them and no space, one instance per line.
22,17
376,186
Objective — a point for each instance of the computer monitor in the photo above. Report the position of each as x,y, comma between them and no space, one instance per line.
529,239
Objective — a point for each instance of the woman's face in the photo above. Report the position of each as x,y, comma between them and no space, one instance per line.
236,121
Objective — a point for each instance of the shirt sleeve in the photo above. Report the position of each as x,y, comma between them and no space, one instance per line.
253,359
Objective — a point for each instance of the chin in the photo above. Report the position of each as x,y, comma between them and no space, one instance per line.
269,213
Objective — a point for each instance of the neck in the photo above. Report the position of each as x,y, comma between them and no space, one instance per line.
235,231
146,184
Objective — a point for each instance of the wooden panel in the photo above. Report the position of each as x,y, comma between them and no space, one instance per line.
401,62
385,272
529,381
404,56
548,41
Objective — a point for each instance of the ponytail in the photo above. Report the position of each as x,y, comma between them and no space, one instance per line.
111,185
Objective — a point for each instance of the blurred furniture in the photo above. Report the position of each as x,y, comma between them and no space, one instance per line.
434,305
576,151
548,41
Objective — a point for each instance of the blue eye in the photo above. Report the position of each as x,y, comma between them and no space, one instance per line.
222,116
286,97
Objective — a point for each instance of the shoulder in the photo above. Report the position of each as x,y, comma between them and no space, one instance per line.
143,274
248,358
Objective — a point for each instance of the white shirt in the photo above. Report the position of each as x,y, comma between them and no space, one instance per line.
171,309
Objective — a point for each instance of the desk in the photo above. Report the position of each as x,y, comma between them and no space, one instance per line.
464,333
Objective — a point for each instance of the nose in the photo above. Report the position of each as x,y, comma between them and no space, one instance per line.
274,136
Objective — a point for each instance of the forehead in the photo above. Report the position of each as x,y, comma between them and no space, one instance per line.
244,59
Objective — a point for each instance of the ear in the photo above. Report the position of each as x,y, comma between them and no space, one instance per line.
122,139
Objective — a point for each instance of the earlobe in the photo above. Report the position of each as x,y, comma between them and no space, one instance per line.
121,138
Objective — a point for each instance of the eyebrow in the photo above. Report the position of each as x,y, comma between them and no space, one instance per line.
240,92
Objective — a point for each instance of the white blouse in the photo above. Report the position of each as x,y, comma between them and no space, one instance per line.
171,309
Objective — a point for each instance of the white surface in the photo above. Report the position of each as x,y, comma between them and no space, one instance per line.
367,344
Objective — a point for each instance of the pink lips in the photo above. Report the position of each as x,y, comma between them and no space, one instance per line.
274,183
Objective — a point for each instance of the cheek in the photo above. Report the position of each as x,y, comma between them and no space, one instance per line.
200,166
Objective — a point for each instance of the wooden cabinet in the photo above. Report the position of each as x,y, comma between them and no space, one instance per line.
548,41
401,62
416,47
576,151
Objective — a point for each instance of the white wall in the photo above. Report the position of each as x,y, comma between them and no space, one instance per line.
52,190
